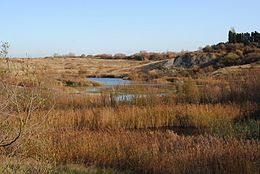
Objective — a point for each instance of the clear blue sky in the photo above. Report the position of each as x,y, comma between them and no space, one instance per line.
44,27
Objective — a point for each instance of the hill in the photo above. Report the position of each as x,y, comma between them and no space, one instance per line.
242,53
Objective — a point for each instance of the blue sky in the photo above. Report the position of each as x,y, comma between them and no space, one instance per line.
44,27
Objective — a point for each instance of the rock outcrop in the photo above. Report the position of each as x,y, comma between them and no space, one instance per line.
189,60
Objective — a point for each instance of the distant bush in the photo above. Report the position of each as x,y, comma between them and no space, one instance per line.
239,53
234,47
231,56
143,55
208,49
188,91
82,56
104,56
221,46
119,56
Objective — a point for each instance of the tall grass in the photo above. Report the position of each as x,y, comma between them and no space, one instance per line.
155,152
138,117
200,126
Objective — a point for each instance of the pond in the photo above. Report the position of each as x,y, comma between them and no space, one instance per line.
106,83
110,81
110,84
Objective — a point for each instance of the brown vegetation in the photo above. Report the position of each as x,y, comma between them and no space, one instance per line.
203,126
191,124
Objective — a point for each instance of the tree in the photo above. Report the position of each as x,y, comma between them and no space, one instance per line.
232,29
56,55
82,56
244,38
4,52
232,36
255,36
4,49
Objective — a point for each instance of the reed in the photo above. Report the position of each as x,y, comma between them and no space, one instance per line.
138,117
200,126
155,152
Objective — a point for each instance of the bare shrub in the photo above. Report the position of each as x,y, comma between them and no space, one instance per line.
18,104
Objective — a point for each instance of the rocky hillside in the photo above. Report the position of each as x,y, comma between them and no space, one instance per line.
217,56
211,60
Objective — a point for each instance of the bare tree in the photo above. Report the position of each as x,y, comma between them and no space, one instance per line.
17,106
4,49
232,29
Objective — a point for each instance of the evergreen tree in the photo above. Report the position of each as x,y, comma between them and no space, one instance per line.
231,37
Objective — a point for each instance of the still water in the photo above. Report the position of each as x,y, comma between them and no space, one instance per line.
111,81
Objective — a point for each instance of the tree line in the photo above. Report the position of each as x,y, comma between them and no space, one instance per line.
142,55
245,38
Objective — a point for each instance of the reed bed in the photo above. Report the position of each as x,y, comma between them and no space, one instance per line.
198,127
138,117
154,152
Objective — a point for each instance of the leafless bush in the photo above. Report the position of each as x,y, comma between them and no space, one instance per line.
16,109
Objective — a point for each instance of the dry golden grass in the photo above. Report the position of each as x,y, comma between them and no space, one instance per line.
152,152
138,117
148,134
56,71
